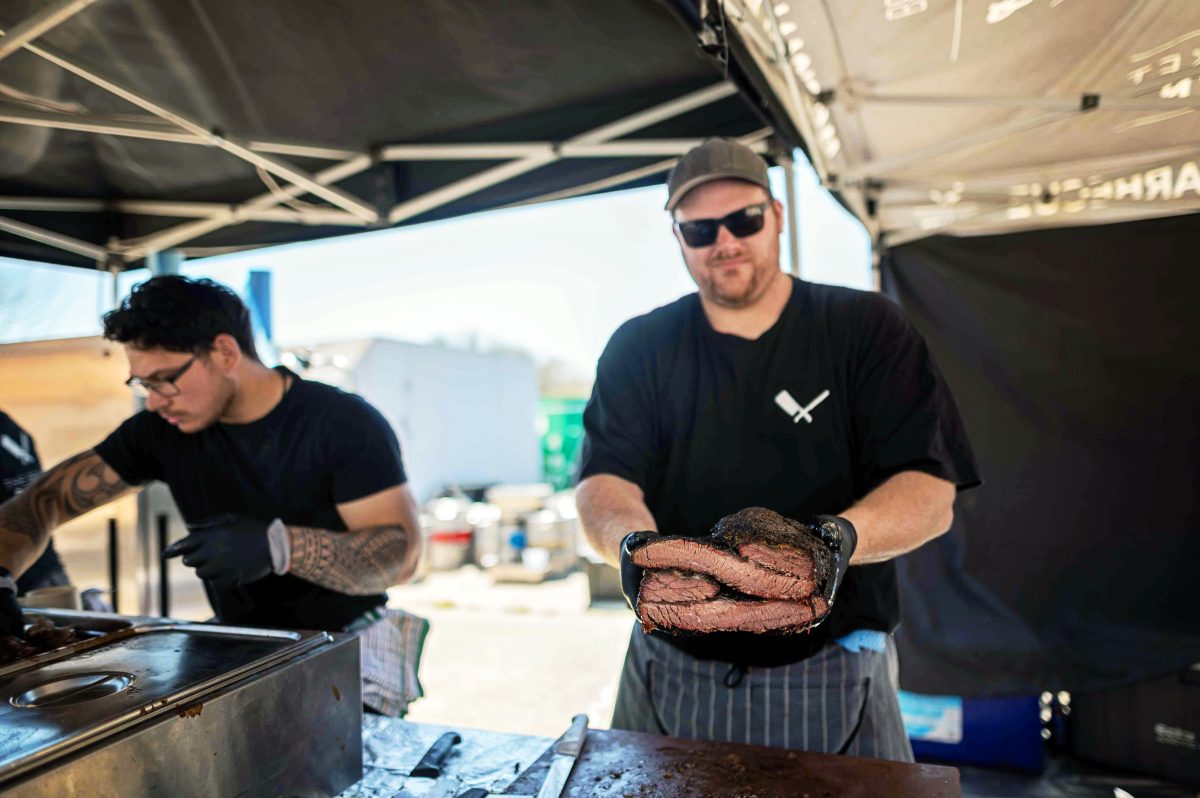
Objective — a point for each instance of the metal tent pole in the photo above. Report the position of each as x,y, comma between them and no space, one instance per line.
281,169
51,16
537,158
793,211
114,565
148,505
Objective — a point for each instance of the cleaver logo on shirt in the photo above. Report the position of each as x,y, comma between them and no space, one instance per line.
18,450
788,404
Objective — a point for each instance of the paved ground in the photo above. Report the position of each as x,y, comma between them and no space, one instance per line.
515,658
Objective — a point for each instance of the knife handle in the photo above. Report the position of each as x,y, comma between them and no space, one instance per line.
430,765
571,743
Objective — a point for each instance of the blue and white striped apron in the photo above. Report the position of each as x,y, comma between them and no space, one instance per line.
836,701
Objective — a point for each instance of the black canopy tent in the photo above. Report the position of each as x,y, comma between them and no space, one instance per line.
129,127
1015,162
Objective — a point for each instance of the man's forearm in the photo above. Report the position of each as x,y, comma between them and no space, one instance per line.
357,563
906,511
609,509
23,532
64,492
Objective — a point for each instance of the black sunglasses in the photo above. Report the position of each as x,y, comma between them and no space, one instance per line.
743,223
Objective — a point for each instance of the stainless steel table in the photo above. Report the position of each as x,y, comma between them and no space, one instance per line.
628,763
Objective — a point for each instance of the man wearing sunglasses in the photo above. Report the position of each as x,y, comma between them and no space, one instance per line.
762,390
294,492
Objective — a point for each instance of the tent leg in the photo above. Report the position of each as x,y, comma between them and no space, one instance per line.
150,502
792,210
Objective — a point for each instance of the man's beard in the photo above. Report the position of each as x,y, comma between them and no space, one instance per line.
739,292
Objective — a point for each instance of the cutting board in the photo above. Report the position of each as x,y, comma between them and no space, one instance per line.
622,764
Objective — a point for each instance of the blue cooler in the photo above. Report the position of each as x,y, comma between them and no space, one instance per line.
992,732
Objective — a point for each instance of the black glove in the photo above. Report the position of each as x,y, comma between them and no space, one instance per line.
840,536
12,621
631,575
226,551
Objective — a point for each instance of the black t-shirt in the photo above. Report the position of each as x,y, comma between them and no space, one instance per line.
838,395
319,447
19,466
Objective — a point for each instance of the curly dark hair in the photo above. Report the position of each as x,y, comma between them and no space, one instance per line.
180,314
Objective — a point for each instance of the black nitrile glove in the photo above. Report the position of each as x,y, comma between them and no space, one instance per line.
12,620
840,536
631,575
227,551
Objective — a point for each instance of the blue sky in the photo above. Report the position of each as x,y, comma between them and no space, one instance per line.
553,279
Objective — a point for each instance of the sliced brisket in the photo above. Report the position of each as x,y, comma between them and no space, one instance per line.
676,587
757,572
732,615
703,557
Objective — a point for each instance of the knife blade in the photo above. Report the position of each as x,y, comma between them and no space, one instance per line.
566,753
427,771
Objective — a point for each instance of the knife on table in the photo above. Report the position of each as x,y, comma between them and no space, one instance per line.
566,752
429,769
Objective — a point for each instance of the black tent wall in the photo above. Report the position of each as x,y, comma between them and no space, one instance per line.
1075,357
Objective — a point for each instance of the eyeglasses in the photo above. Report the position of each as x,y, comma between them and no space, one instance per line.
743,223
163,386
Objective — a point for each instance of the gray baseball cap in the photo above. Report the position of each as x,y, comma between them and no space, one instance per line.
715,159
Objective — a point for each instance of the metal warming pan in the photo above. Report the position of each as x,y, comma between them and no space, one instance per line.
154,707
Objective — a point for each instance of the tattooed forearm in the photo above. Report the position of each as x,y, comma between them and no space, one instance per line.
358,563
66,491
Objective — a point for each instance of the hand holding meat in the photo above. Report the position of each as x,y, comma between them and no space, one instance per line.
756,572
12,621
631,575
840,536
228,552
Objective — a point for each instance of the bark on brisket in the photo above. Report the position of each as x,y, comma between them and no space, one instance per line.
777,542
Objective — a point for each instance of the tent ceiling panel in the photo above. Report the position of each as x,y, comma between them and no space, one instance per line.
919,106
280,113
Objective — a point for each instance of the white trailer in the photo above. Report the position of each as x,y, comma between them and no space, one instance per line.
463,417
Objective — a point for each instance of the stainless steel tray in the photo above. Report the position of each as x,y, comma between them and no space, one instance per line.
93,626
60,701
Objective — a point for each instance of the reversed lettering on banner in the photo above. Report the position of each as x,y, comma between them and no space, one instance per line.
1003,9
1167,59
1172,60
802,65
900,9
1072,195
